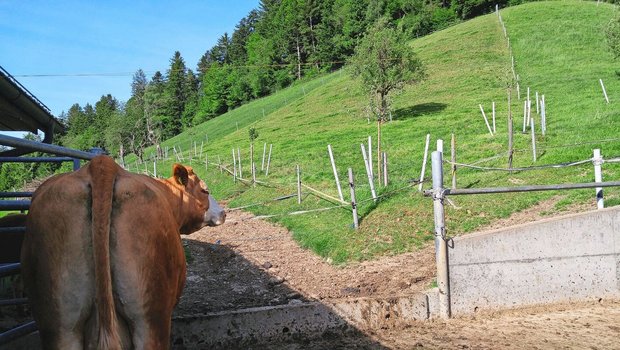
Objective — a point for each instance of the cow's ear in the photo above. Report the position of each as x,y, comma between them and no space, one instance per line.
180,174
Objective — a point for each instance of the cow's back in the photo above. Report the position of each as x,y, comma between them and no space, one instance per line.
57,256
146,259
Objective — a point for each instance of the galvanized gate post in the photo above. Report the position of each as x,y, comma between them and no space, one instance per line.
598,177
441,244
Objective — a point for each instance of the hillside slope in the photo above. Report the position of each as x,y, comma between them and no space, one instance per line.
559,51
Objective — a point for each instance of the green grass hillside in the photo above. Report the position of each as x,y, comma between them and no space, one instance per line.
559,50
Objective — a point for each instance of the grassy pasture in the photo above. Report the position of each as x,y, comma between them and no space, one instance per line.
559,51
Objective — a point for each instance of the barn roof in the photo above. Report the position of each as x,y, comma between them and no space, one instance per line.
20,110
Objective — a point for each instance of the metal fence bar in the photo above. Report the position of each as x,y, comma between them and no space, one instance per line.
15,194
17,332
10,269
44,147
532,188
14,204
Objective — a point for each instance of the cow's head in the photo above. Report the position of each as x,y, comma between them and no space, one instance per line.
184,176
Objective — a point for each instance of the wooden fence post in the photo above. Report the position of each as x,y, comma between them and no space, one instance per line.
155,169
353,203
268,159
510,131
219,161
453,159
371,181
331,158
428,139
298,185
597,160
441,244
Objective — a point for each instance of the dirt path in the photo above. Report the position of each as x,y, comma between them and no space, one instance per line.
247,263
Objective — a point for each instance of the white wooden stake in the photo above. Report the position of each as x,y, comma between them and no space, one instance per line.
428,140
597,160
371,181
543,115
268,160
537,104
529,110
155,169
234,166
331,158
372,174
518,91
219,162
262,164
604,91
385,169
533,139
239,163
486,121
440,145
353,203
494,118
524,115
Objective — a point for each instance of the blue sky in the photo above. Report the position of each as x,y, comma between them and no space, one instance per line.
115,38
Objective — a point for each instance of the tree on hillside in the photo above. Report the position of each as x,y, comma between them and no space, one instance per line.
155,114
384,63
176,96
612,34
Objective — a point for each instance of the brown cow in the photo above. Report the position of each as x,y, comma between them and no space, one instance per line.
102,258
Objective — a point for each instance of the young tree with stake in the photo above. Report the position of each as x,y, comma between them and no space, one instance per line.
384,63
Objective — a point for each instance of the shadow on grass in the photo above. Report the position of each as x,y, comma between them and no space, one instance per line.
418,110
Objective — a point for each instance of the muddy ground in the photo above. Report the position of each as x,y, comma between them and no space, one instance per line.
247,263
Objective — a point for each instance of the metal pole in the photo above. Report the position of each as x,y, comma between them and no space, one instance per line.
44,147
428,139
298,185
353,203
531,188
331,158
597,160
441,246
369,173
510,131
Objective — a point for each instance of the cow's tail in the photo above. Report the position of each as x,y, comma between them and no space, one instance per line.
103,172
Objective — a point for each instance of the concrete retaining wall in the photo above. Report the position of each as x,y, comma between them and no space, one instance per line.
574,257
273,324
